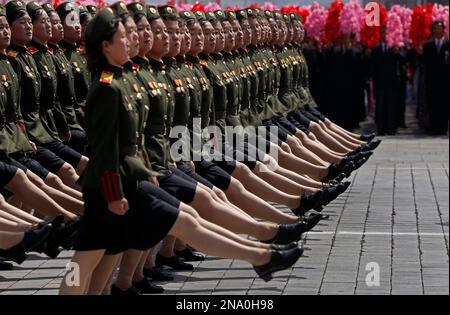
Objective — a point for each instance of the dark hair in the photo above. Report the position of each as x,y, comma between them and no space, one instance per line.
13,17
84,16
191,23
137,17
124,17
94,52
36,15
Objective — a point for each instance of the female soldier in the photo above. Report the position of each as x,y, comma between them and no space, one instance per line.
20,150
26,69
51,112
75,54
110,184
66,83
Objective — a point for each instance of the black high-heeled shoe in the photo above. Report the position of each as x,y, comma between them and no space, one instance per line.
63,236
312,220
285,247
370,146
307,203
367,138
145,286
288,233
280,260
173,262
189,255
157,274
31,239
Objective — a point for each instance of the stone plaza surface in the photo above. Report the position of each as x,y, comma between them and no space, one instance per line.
394,219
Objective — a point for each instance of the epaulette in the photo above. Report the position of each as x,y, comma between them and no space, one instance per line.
204,63
50,50
189,64
62,49
135,67
32,50
82,50
106,77
13,53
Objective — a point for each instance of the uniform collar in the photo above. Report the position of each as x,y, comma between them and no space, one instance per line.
141,62
3,57
55,47
18,48
67,45
39,46
113,69
216,56
169,61
157,65
180,59
193,59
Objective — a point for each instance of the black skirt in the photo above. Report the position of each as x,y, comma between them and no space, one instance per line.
148,221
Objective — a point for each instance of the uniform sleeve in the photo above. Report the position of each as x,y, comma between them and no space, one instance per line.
104,136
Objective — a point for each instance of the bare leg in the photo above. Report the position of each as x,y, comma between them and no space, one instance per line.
7,225
36,198
82,165
64,200
328,140
230,219
257,187
304,153
300,166
19,214
319,149
103,273
211,243
282,182
87,262
10,239
69,176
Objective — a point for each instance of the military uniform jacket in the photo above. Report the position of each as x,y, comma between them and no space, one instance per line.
181,99
215,68
13,122
234,89
66,88
82,76
4,138
204,91
111,127
249,108
30,92
159,120
50,110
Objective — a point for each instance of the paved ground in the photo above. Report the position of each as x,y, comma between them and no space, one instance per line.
394,219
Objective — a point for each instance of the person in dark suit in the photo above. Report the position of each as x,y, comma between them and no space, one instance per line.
435,57
385,72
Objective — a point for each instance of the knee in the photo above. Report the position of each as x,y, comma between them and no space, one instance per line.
35,179
68,170
191,211
54,180
204,196
219,193
285,147
189,222
2,201
236,186
242,169
21,177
